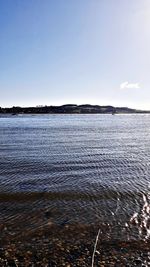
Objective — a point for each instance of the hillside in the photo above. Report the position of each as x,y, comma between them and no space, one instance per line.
70,109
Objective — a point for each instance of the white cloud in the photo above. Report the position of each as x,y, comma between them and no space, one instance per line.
127,85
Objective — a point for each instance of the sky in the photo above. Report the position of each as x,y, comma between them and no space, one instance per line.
55,52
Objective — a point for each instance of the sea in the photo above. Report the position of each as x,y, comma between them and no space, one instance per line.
74,168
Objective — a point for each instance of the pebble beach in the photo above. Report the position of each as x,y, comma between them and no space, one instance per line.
68,245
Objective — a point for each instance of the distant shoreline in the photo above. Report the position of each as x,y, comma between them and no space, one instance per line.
72,109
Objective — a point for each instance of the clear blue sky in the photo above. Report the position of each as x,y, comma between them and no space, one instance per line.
75,51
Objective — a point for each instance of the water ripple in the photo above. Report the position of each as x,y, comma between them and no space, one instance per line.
85,167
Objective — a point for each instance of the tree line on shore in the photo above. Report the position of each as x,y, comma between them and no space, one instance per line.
69,109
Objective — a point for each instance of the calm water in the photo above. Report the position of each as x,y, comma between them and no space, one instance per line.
86,168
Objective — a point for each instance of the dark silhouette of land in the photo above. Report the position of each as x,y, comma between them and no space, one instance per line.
70,109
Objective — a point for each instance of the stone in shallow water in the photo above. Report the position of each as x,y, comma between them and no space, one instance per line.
138,262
